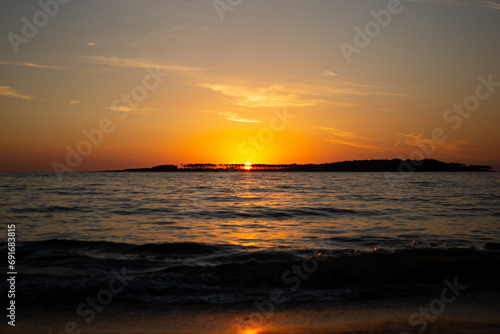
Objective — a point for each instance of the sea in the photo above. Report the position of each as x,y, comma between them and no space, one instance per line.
190,238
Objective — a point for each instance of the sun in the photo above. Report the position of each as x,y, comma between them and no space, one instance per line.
248,165
251,331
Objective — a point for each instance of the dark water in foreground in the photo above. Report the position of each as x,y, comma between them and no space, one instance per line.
218,238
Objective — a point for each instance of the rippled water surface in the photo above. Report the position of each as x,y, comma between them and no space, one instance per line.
229,237
266,210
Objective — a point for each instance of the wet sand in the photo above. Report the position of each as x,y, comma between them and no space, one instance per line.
477,314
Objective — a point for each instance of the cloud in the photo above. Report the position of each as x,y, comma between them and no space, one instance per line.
419,140
233,117
350,139
123,108
49,67
293,93
74,102
261,97
138,63
483,3
341,104
490,4
341,133
444,2
337,87
359,145
43,66
90,43
10,92
330,73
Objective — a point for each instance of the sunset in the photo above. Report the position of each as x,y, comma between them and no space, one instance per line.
250,166
266,81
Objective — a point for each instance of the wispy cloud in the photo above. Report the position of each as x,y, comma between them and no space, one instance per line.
234,117
74,102
359,145
483,3
138,63
341,133
330,73
43,66
341,104
10,92
49,67
123,108
350,139
445,2
337,86
91,44
296,94
419,140
490,4
273,96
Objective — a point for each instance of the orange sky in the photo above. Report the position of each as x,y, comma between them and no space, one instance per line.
122,84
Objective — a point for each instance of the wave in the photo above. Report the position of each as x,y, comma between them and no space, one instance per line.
52,209
176,273
219,213
278,213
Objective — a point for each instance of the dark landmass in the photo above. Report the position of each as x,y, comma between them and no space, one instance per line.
394,165
162,168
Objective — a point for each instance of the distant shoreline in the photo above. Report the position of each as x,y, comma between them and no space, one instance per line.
394,165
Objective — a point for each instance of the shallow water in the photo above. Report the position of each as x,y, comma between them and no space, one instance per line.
231,237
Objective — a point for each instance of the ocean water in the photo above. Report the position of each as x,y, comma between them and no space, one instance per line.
221,238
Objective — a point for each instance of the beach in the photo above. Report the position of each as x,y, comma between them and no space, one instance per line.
250,167
471,314
254,253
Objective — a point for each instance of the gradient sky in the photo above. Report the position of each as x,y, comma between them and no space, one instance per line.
231,73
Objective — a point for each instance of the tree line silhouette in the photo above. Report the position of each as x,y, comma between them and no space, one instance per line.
394,165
